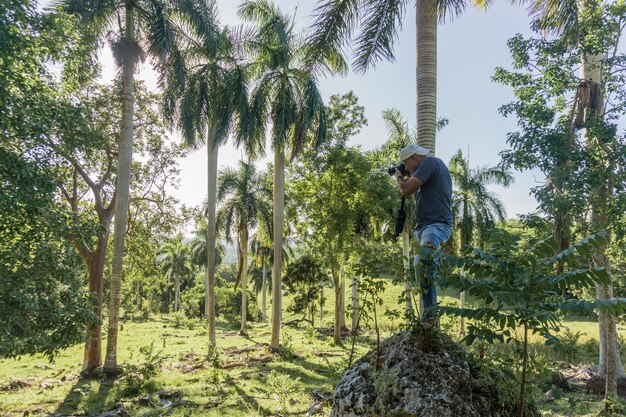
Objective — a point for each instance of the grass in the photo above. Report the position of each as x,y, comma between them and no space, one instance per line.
243,379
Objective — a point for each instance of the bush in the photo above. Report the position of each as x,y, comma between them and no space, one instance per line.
228,304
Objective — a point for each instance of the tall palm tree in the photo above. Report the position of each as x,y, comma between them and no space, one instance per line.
244,203
134,29
285,94
563,18
174,259
474,207
377,22
206,104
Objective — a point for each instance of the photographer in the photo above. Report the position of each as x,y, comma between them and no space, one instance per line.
429,179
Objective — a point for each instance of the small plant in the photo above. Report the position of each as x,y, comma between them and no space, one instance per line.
283,387
138,377
179,320
568,344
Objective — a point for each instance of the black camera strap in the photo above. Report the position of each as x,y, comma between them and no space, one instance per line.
400,219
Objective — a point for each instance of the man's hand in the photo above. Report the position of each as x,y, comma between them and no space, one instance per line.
409,186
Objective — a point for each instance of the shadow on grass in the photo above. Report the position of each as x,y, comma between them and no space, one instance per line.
248,399
82,397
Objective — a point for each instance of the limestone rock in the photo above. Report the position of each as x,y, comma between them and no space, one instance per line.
420,373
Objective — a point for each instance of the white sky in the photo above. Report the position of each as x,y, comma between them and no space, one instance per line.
469,49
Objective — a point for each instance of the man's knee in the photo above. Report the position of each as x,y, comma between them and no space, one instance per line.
429,245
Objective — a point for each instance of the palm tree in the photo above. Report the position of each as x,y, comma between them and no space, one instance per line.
205,104
286,94
378,22
563,18
134,28
198,248
174,260
244,204
474,207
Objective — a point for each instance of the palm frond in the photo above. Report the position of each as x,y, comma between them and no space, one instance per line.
379,31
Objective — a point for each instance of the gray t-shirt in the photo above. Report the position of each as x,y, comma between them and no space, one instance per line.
434,198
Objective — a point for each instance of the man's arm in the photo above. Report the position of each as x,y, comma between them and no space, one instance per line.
409,186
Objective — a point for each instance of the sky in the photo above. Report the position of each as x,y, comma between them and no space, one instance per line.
469,49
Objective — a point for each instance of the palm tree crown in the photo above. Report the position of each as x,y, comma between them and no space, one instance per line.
476,209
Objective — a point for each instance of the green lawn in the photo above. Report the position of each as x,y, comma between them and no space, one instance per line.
245,379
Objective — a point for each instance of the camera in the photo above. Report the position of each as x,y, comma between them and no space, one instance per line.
401,168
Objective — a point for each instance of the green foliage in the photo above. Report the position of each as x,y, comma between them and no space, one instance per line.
283,387
228,304
302,280
517,288
42,302
139,377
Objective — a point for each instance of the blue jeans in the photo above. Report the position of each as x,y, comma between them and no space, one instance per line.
432,235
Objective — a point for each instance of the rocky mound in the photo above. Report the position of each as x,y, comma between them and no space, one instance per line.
419,373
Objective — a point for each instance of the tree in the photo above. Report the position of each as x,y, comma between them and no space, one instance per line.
377,23
517,285
175,262
575,145
338,193
244,203
43,304
302,280
285,93
205,103
475,209
149,23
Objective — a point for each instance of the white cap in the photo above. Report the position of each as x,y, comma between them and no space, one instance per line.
409,150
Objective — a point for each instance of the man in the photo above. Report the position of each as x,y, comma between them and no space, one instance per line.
430,181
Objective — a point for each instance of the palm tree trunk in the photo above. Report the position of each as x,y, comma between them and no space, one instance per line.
125,156
244,281
426,73
209,280
610,362
92,358
279,218
406,248
264,292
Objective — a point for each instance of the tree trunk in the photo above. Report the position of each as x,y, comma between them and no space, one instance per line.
209,279
355,306
264,293
610,362
338,310
244,281
321,300
138,304
279,217
342,315
176,293
426,73
125,156
406,252
92,357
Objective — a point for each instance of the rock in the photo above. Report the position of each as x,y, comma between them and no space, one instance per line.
420,373
550,396
597,385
